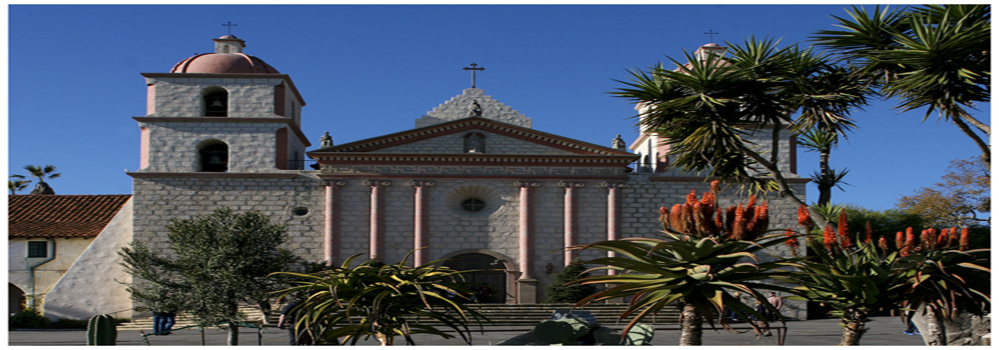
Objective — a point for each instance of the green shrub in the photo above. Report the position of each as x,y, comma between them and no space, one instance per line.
560,292
68,323
28,319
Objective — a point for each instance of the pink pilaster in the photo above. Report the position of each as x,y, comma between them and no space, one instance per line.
569,220
526,255
421,236
613,217
377,222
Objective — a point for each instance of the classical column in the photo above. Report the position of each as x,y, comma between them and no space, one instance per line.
569,220
421,235
527,285
331,221
613,216
376,235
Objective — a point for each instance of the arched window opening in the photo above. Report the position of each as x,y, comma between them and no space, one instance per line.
213,156
216,102
475,143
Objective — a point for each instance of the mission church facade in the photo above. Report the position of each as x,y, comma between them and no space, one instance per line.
472,182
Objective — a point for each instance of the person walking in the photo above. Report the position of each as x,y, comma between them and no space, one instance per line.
288,320
159,320
761,322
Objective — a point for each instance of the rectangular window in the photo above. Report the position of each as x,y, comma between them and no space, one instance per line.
38,249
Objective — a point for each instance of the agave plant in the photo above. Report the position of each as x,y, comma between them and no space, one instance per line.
708,254
852,276
383,301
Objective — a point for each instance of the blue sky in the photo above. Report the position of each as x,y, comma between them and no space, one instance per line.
74,76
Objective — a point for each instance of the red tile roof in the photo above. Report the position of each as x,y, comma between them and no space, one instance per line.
49,216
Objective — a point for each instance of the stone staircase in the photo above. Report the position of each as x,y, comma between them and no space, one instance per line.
526,315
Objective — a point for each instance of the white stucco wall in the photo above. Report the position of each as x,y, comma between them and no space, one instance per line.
91,285
66,251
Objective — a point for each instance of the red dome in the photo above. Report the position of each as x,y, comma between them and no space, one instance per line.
223,63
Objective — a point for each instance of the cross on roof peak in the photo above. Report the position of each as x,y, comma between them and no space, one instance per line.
230,25
473,69
711,35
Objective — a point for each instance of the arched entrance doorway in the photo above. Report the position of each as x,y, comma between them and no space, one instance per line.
495,281
15,299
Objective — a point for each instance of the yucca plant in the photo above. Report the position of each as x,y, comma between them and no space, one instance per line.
851,275
943,278
384,301
709,253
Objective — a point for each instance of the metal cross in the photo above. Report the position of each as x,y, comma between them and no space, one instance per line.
230,25
711,35
473,69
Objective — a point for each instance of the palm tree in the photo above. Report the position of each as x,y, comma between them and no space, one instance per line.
384,301
826,178
42,173
706,257
17,184
936,56
706,108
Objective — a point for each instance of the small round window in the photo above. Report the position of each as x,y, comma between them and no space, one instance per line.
473,204
300,211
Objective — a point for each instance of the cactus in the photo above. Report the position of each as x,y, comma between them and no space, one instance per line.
102,330
561,331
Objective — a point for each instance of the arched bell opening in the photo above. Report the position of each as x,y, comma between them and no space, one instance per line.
213,156
215,101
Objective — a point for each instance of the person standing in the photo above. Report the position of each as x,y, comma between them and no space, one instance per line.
159,320
777,303
170,319
761,322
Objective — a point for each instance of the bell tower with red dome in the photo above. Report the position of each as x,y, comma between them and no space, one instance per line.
221,112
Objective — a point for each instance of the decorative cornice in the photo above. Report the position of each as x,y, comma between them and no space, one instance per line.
475,159
709,179
464,176
505,129
144,175
289,121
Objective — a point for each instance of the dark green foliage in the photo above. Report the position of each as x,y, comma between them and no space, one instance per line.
69,323
220,261
102,330
562,291
883,223
28,319
563,331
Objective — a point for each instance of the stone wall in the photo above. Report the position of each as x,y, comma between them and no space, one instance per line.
181,96
157,200
173,146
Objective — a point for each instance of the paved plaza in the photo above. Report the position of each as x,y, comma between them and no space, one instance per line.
883,331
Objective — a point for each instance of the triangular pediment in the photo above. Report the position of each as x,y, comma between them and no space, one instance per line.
497,138
471,103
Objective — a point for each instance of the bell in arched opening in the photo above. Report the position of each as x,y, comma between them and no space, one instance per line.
215,158
217,104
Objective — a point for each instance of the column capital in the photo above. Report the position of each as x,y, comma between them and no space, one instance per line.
415,183
606,184
325,183
374,183
568,184
519,183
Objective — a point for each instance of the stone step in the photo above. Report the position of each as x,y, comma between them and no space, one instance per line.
498,314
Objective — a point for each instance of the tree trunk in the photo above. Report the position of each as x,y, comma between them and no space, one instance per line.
825,184
853,328
233,339
931,325
690,326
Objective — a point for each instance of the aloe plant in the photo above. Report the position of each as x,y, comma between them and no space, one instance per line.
707,255
852,276
384,301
